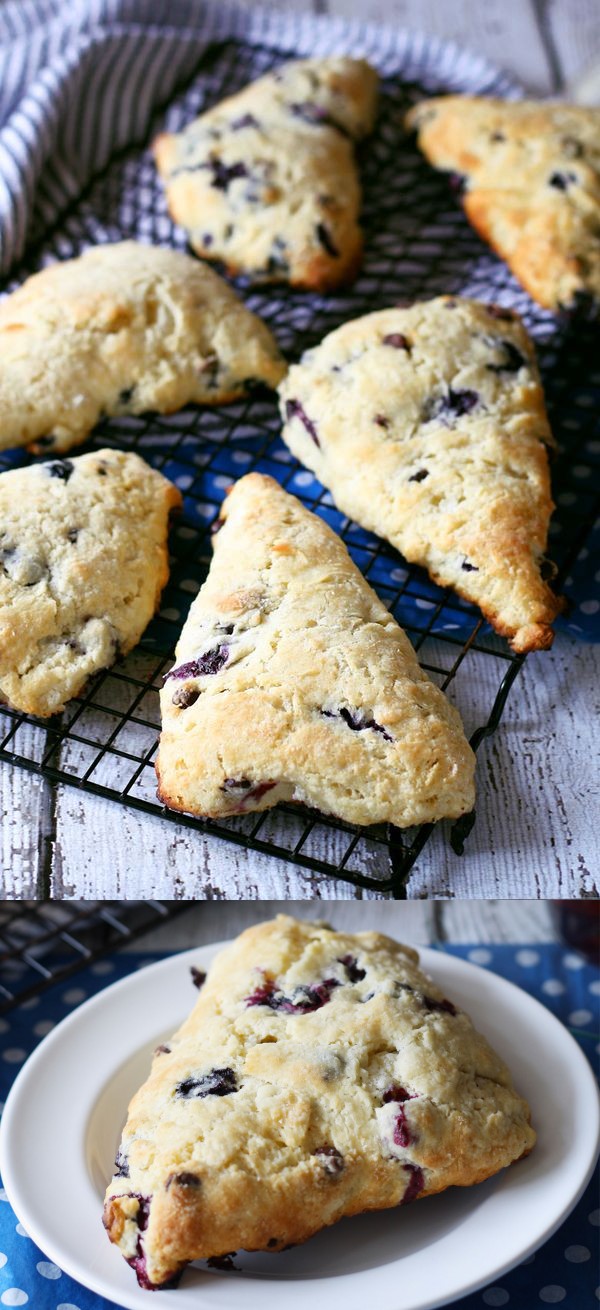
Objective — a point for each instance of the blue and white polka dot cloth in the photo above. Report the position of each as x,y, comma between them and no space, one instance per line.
563,1272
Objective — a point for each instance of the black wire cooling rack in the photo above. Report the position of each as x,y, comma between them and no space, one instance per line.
418,244
45,942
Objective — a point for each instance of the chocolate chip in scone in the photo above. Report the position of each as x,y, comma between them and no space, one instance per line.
467,567
72,535
184,697
419,476
219,1082
381,421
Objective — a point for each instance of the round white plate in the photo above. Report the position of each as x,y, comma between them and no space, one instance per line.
65,1111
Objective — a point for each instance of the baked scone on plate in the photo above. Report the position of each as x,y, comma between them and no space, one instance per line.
320,1075
429,428
83,560
123,329
529,174
266,181
293,682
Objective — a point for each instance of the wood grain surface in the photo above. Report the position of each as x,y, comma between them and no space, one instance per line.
535,834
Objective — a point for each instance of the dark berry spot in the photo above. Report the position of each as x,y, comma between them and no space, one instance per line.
121,1165
356,721
184,697
246,792
326,240
561,181
416,1183
223,174
47,442
72,535
402,1133
453,405
332,1159
182,1180
207,240
162,1050
469,568
381,421
513,359
419,476
222,1262
277,261
273,1241
60,468
219,1082
497,136
304,999
125,395
211,662
246,120
216,526
397,340
355,973
293,409
444,1006
198,976
396,1093
316,115
101,470
236,784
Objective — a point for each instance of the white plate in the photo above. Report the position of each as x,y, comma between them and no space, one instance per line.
65,1111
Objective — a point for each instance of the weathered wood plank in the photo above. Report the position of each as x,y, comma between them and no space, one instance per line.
26,805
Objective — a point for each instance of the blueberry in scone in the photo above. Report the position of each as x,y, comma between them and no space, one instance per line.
266,181
123,329
293,682
428,426
83,560
529,181
325,1075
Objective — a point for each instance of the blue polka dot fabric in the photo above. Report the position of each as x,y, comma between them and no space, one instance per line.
563,1272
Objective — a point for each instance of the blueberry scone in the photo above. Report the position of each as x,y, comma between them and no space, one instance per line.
428,426
320,1074
266,181
293,682
530,180
123,329
83,560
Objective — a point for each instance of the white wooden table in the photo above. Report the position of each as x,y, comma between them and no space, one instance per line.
536,835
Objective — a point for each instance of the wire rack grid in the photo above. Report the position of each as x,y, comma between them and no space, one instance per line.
45,942
417,244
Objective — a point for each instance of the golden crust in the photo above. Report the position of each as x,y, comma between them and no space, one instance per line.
287,634
438,443
84,560
266,181
123,329
270,1116
532,177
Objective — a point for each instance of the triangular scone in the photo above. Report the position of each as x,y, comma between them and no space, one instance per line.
530,174
428,426
266,181
123,329
83,560
320,1074
293,682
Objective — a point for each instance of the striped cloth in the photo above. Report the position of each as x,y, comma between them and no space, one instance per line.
80,79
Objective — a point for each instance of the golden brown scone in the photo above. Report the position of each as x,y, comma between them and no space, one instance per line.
83,560
428,426
123,329
531,178
319,1075
266,181
293,682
